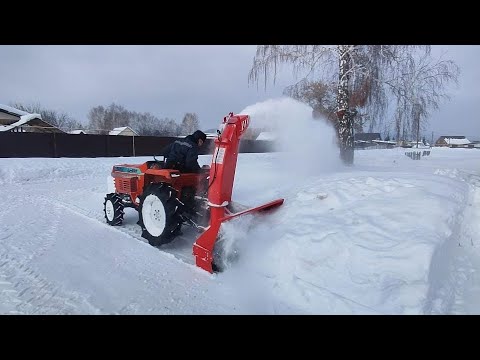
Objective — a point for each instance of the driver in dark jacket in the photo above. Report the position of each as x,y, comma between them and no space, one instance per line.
182,154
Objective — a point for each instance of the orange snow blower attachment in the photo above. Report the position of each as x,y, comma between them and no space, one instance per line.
222,174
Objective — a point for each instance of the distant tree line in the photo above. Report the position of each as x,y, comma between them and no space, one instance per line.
102,119
113,116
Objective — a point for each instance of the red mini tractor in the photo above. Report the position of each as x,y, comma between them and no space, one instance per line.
166,199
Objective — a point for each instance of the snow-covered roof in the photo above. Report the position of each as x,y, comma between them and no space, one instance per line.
77,132
13,111
266,136
118,130
25,117
456,141
23,120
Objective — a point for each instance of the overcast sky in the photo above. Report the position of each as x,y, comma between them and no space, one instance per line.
169,81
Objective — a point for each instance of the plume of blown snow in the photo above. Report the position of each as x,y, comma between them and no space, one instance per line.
307,145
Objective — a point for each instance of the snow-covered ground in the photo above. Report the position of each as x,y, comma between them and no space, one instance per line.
389,235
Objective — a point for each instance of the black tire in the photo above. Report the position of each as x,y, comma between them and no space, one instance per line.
159,214
113,209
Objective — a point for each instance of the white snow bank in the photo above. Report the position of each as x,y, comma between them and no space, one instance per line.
370,240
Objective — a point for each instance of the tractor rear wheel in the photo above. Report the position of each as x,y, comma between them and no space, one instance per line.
159,214
113,209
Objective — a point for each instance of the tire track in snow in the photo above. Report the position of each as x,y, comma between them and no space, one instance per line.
180,248
455,262
23,290
136,304
30,293
467,264
32,236
49,237
8,294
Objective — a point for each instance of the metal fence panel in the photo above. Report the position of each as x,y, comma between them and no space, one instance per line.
76,146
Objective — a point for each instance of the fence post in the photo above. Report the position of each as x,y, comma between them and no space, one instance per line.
133,145
107,145
54,145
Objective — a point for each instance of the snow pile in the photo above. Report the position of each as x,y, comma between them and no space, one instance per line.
351,242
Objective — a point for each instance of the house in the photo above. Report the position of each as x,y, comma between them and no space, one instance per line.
123,131
15,120
366,140
453,141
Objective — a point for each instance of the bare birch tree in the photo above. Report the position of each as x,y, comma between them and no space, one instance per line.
419,89
189,124
368,72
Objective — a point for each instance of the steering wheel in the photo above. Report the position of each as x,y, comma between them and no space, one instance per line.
160,163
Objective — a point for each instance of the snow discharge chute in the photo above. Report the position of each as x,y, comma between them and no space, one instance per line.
222,175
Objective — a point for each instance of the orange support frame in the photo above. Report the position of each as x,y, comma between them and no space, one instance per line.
222,175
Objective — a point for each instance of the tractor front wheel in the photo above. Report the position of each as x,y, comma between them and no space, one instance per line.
113,209
159,214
